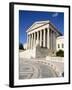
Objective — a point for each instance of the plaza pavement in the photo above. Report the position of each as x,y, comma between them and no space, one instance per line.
38,68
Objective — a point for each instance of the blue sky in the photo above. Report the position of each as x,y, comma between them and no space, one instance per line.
27,18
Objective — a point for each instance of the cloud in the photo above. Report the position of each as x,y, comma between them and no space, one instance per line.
55,14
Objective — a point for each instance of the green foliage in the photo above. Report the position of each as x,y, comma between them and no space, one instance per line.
63,74
21,46
60,53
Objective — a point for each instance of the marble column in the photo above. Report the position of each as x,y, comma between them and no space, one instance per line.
48,39
51,39
37,37
44,38
40,37
34,38
54,40
28,45
32,41
27,40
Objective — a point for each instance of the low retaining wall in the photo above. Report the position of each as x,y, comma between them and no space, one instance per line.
56,65
56,59
28,53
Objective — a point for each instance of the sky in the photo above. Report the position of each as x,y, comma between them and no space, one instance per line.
27,18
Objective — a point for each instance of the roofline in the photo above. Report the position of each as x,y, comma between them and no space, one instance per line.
47,21
36,27
44,25
56,28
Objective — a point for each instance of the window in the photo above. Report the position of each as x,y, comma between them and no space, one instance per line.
62,45
58,46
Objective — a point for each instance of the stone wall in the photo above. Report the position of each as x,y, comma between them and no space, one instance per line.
30,53
57,63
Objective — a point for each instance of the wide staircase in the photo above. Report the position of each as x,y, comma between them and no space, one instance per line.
42,52
37,52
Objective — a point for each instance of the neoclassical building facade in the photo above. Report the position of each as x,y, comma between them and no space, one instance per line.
41,39
43,33
60,43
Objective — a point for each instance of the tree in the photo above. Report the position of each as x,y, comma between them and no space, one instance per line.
60,53
63,74
21,46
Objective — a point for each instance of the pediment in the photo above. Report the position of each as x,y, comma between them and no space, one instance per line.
37,24
41,23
